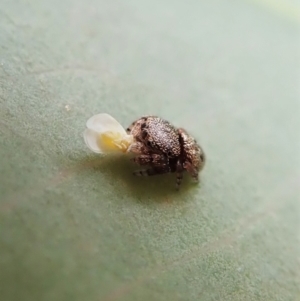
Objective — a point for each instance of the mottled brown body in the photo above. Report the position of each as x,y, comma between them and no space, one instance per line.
164,148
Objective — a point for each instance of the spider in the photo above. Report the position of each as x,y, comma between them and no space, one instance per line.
164,148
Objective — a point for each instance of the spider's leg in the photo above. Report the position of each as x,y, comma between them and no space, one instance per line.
192,171
196,177
150,172
159,164
179,170
154,159
137,148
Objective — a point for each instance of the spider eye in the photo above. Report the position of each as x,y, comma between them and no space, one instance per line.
149,143
169,154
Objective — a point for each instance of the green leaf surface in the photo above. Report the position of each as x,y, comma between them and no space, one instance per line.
76,226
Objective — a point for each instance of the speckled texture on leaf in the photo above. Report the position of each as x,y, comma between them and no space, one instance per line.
77,227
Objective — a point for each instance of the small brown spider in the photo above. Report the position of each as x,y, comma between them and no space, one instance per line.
164,148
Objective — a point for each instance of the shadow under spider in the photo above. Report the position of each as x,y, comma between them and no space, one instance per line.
143,188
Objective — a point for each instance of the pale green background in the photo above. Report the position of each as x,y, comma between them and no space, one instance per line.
74,226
